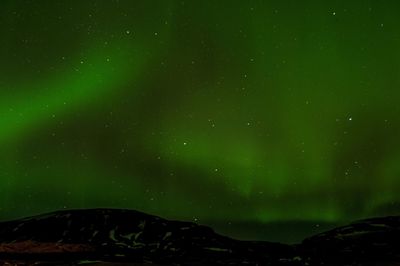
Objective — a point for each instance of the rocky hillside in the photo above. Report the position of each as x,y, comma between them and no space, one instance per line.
366,242
126,237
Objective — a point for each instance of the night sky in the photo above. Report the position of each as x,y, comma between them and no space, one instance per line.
218,112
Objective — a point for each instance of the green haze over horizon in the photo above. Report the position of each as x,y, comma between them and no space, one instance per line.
232,111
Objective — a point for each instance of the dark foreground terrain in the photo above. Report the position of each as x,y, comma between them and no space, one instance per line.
126,237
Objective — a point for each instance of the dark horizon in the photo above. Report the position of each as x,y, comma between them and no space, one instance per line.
286,232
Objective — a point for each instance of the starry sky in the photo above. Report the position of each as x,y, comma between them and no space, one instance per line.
218,112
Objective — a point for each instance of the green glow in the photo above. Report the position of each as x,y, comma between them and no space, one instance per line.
255,111
86,83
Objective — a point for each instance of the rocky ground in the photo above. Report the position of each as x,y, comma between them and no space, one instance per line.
127,237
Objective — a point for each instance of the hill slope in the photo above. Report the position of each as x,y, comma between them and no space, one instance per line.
127,237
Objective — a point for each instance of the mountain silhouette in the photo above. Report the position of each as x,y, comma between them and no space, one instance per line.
129,237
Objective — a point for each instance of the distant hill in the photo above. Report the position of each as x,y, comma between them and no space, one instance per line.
128,237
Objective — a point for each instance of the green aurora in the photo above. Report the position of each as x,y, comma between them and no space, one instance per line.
211,111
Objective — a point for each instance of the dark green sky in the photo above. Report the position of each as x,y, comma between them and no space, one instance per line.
226,111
